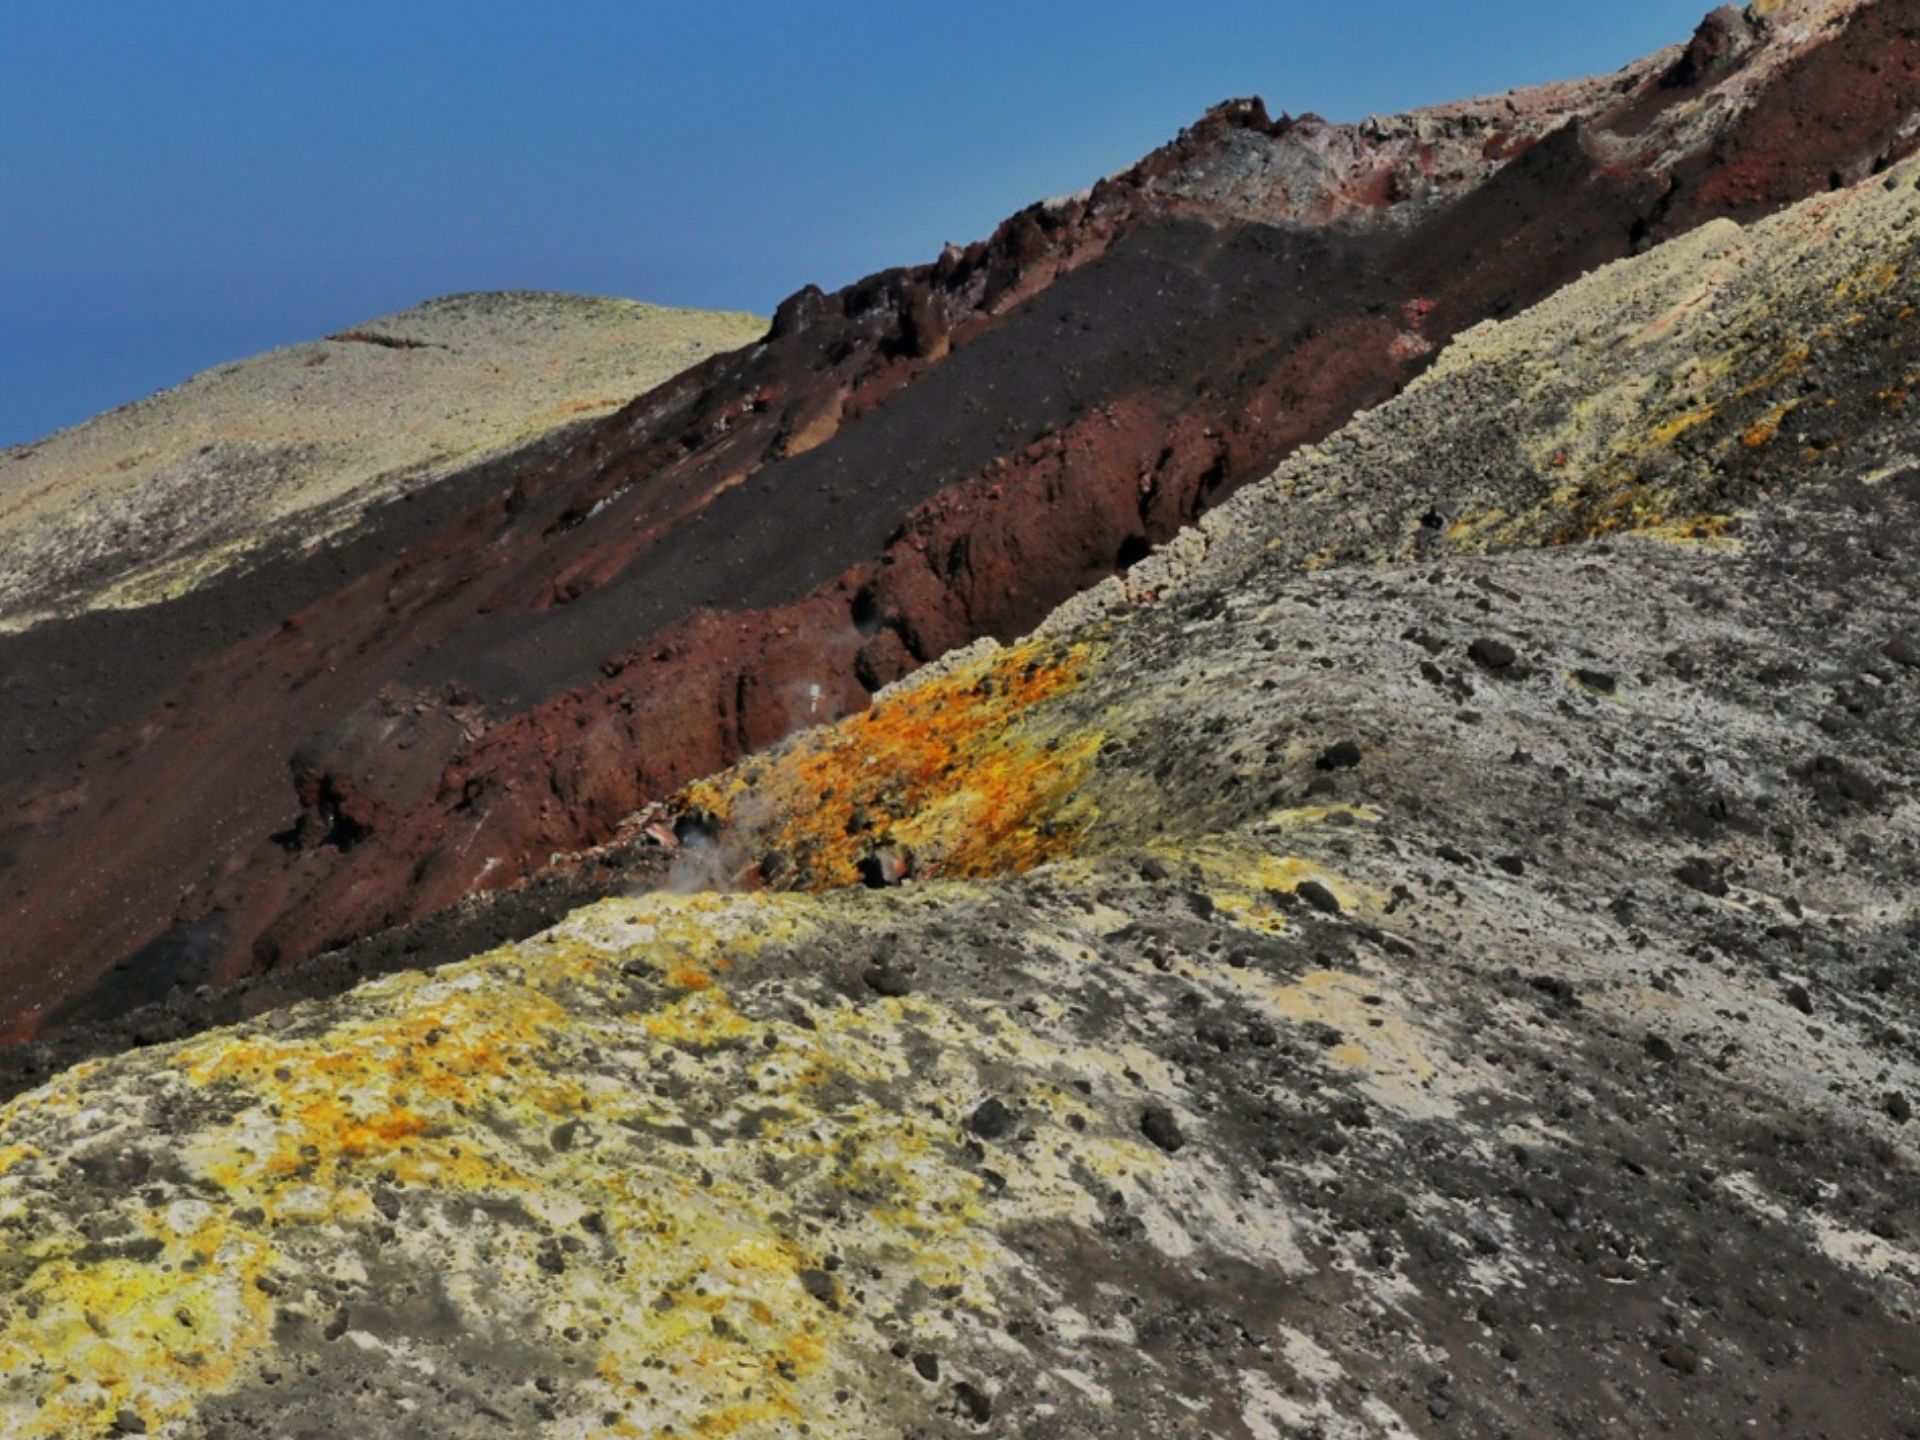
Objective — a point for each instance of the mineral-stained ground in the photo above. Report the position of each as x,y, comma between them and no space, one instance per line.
390,732
1432,951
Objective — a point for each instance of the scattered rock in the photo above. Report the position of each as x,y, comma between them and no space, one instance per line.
1837,784
1722,36
991,1120
1902,651
885,866
888,978
1697,872
1556,987
1159,1126
1683,1358
1343,756
819,1284
977,1406
1491,654
1318,896
1217,1033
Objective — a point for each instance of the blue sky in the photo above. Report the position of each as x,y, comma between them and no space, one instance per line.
184,183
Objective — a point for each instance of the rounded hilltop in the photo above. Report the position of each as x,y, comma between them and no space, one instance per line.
148,501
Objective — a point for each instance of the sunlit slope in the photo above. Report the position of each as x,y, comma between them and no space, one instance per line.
146,501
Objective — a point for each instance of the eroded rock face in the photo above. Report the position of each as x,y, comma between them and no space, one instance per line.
930,456
1430,952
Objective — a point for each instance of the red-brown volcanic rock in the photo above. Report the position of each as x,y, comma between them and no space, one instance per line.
336,744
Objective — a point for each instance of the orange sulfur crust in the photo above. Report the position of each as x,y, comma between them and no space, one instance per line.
953,769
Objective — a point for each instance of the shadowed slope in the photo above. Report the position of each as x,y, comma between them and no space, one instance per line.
930,456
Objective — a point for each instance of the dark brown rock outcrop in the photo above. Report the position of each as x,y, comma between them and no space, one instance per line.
483,682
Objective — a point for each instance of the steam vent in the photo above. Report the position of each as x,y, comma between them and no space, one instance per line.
1319,838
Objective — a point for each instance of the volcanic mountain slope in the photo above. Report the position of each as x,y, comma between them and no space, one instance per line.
468,686
1432,952
289,448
